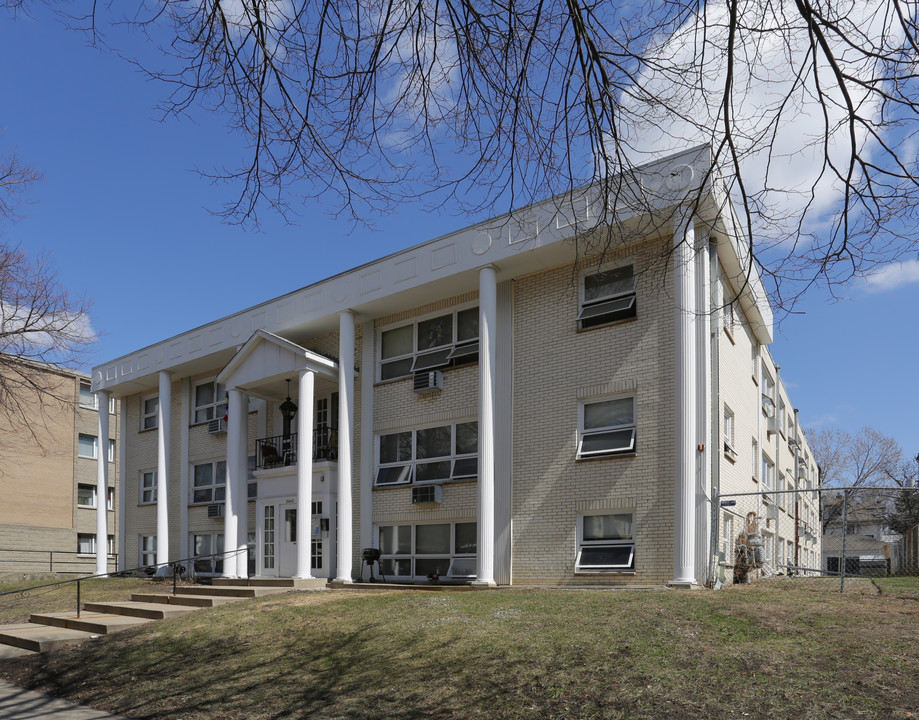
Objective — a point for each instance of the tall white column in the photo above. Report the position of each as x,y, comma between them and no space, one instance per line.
345,442
703,501
685,410
235,491
488,314
305,472
163,432
102,397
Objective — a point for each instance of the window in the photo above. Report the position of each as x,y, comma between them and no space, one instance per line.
727,538
780,497
86,544
435,454
209,401
768,394
756,460
86,496
728,434
782,414
418,551
607,297
606,427
209,481
148,550
148,487
730,318
768,478
88,398
88,447
208,551
149,413
437,342
606,543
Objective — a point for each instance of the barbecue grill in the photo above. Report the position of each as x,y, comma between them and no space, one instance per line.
369,556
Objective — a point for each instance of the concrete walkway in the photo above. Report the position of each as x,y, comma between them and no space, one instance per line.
19,704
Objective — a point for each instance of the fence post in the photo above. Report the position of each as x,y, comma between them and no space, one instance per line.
845,531
51,561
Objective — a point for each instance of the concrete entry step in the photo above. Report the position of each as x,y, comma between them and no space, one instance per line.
89,622
40,638
201,601
287,583
152,611
234,591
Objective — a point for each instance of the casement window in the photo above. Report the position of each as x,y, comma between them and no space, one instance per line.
209,482
768,394
768,477
782,414
86,496
606,427
781,496
147,550
88,447
730,319
607,297
606,543
86,544
209,401
147,493
149,412
89,399
436,342
418,551
208,552
433,454
728,434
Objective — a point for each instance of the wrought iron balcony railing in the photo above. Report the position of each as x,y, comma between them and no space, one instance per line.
281,451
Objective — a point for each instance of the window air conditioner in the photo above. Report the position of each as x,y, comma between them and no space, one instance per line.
217,426
802,473
427,494
428,381
772,425
215,510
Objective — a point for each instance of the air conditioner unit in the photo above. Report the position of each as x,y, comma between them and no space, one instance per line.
428,381
215,510
773,425
427,494
802,473
217,426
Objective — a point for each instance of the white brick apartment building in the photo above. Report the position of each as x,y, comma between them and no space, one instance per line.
491,406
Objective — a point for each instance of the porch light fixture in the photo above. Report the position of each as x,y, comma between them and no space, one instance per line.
288,410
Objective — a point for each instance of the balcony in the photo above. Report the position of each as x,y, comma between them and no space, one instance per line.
281,450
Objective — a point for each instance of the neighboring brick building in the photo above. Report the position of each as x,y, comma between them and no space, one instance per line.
49,479
496,405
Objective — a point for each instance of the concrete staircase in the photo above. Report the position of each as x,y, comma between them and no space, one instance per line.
53,630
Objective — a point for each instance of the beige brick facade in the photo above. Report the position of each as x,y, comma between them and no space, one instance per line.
43,469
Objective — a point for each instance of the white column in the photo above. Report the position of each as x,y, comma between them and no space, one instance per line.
703,501
163,431
236,474
488,313
122,486
345,441
102,485
366,461
305,472
685,409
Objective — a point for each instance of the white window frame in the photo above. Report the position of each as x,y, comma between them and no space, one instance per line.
92,405
217,489
631,428
86,544
110,499
457,564
210,410
149,420
606,309
461,464
147,491
582,568
210,566
729,423
147,550
94,455
453,351
767,481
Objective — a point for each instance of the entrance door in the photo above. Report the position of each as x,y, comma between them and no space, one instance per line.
288,540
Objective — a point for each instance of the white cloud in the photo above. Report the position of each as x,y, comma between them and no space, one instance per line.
783,127
893,276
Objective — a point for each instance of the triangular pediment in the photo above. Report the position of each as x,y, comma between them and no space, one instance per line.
266,356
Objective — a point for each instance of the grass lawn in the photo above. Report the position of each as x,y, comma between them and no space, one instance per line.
769,650
16,605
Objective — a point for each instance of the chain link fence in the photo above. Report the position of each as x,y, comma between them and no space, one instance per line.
834,539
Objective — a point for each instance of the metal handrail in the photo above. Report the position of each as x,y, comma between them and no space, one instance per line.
176,565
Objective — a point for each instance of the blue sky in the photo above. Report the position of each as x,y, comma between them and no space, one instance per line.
125,221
